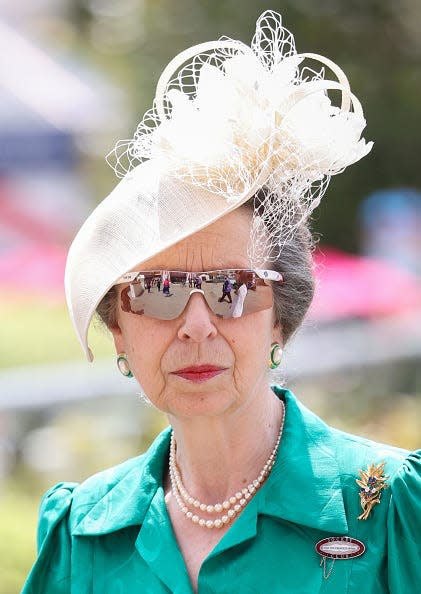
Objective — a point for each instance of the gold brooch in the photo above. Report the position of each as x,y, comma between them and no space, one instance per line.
371,483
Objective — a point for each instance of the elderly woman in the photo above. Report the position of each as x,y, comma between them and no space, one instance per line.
247,490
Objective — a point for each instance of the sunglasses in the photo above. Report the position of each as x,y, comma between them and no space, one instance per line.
229,292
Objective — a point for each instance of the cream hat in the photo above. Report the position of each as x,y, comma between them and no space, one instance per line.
233,119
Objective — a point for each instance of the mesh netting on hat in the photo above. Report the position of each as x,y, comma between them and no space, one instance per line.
230,118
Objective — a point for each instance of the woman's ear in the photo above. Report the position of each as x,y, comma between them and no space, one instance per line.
118,339
277,335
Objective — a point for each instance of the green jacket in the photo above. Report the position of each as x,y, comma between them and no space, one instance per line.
112,533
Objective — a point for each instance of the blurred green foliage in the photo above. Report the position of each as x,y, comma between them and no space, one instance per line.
38,330
18,520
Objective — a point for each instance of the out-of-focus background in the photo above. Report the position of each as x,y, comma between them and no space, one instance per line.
75,76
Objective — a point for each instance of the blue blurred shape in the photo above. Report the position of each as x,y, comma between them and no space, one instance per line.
35,150
391,227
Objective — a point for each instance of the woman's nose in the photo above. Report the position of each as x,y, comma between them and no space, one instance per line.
196,320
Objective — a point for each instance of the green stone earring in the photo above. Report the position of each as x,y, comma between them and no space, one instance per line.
123,365
275,355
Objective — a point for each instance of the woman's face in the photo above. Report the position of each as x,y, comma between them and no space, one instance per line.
239,348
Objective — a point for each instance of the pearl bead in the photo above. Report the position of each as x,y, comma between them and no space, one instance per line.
233,504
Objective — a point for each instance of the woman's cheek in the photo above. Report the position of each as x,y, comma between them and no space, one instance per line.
150,345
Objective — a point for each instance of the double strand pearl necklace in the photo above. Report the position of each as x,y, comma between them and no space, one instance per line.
231,506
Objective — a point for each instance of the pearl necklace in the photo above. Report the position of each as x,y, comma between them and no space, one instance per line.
231,506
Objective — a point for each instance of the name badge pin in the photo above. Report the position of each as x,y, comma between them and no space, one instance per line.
337,547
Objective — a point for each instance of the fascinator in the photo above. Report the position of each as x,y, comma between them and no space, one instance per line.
228,121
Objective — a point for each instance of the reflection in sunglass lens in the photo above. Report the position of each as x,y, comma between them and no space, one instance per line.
164,294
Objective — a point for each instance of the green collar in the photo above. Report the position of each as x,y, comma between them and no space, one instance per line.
304,486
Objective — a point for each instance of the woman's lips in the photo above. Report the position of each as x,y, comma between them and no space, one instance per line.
199,373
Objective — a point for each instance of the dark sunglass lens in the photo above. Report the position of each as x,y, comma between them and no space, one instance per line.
228,293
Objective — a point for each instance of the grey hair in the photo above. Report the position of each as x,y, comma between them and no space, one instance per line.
292,297
106,310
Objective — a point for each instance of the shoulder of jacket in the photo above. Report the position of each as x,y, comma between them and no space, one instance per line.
134,479
355,453
95,487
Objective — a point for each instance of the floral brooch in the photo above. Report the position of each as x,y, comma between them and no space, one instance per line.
372,482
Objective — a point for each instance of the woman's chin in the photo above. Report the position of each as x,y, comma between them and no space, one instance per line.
209,398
